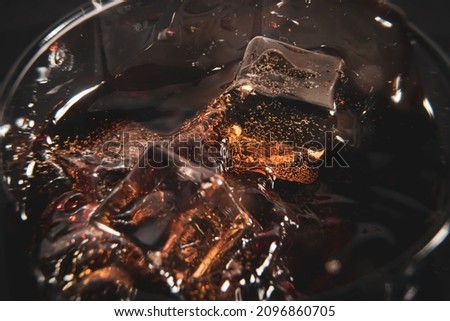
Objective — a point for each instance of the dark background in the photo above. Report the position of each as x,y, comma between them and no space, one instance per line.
22,21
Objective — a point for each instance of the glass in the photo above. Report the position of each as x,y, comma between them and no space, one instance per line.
229,150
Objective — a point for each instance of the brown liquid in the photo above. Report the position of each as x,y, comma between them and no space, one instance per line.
131,197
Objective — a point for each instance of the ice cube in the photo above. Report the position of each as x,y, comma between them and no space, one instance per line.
274,136
186,216
274,68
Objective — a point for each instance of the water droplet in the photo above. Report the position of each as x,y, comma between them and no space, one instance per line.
43,73
333,267
384,23
30,169
24,216
225,286
4,129
428,107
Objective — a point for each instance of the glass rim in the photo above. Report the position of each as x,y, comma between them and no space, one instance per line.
42,43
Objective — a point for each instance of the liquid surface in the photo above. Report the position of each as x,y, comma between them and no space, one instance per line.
264,155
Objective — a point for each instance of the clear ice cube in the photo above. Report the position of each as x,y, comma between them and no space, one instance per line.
186,216
274,68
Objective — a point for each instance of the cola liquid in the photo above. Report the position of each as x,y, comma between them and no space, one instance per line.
297,167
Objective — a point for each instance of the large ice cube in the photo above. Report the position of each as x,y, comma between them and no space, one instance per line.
275,68
186,216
